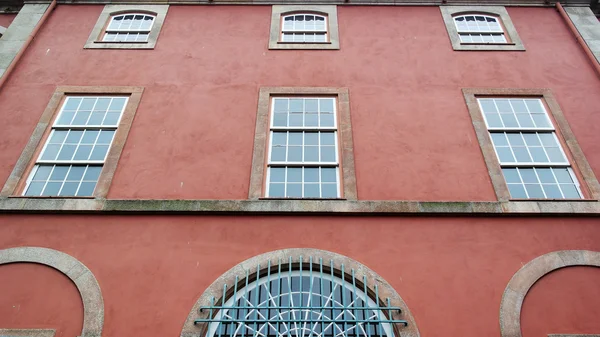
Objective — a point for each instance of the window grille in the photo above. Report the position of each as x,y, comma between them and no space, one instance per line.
130,27
304,28
479,29
300,300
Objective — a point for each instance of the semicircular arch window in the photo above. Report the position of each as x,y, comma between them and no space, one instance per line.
300,300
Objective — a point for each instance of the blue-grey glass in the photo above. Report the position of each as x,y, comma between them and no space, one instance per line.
83,152
311,138
69,189
296,119
327,120
296,105
58,137
52,188
277,174
534,191
86,189
59,172
278,153
503,105
311,153
92,173
555,154
76,173
515,139
547,139
311,105
276,190
545,175
538,154
531,139
96,118
562,175
51,152
493,120
509,120
521,155
67,152
312,191
279,138
499,139
311,119
280,119
505,155
43,172
518,105
328,175
65,118
280,105
552,191
112,118
327,138
511,175
294,153
534,105
72,103
294,191
517,191
570,191
74,136
328,154
311,174
87,103
102,104
89,137
35,188
528,175
525,120
540,120
117,104
295,138
326,105
329,190
294,174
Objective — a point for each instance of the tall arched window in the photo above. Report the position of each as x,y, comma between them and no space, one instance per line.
300,299
130,27
304,28
479,29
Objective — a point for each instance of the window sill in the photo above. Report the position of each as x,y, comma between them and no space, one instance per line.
486,44
312,199
123,42
301,43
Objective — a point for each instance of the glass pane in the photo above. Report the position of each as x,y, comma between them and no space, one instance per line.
74,136
562,175
280,104
294,191
311,138
328,154
76,173
518,105
83,152
521,155
311,174
509,120
280,119
59,172
328,175
51,152
105,137
311,191
294,174
58,137
87,104
35,189
69,189
327,120
525,120
552,191
66,117
112,118
89,136
311,120
117,104
72,103
505,155
67,152
52,188
538,154
294,154
540,121
329,190
528,176
296,105
277,174
295,138
511,175
493,120
545,175
515,139
499,139
503,105
534,105
555,155
92,173
531,139
327,138
43,172
296,119
278,153
570,191
86,189
534,191
517,191
277,190
311,154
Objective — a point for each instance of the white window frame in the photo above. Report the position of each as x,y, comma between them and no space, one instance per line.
293,31
134,31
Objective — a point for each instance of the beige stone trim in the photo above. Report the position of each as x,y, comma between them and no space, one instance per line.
94,41
523,280
579,162
261,261
572,335
91,296
346,146
15,182
514,41
27,333
278,11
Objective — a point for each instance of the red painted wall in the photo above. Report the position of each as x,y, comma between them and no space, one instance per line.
6,19
450,271
413,138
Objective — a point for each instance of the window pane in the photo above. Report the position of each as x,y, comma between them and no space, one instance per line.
86,189
570,191
329,191
52,188
511,175
311,191
517,191
277,174
35,188
528,176
276,190
328,175
294,191
280,119
294,174
311,154
69,189
534,191
552,191
92,173
328,154
311,174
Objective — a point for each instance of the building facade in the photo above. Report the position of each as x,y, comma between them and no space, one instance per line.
299,168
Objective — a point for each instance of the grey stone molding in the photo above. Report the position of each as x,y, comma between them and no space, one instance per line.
89,290
332,26
523,280
2,30
251,265
27,333
95,39
572,335
448,13
13,39
588,26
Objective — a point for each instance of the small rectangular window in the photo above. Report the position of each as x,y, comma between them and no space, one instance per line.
303,150
74,153
532,159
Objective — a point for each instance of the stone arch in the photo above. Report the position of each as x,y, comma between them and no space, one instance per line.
86,283
523,280
216,288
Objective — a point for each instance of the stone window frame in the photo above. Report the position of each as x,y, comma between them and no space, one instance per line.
15,184
94,41
27,332
261,136
278,11
510,32
296,255
588,183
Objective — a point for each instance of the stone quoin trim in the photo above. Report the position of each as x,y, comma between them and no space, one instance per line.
524,279
16,181
95,39
579,163
278,11
514,41
86,283
27,332
346,147
250,265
